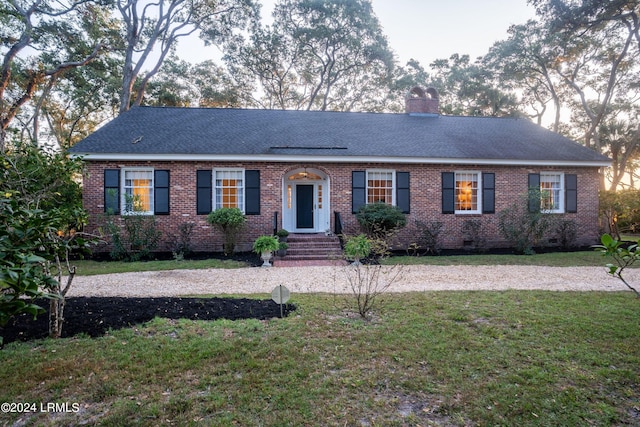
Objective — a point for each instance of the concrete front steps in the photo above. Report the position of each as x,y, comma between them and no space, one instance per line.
311,249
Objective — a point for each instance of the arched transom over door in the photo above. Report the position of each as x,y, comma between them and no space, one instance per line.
305,201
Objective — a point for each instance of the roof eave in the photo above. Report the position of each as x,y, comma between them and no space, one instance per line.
336,159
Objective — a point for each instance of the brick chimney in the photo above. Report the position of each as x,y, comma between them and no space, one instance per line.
421,102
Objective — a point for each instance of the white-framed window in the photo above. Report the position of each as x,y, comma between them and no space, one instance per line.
552,192
229,185
467,192
381,186
137,194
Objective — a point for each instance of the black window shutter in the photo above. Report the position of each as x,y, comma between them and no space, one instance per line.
161,192
358,190
448,192
534,192
571,193
403,196
112,191
204,192
252,192
488,193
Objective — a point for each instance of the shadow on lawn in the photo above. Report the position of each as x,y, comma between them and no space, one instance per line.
94,316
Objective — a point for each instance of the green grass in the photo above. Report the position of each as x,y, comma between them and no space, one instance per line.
553,259
90,268
556,259
433,358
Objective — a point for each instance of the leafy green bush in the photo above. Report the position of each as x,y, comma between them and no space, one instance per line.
136,239
230,221
357,247
473,233
522,226
22,236
567,232
41,218
379,219
428,236
181,243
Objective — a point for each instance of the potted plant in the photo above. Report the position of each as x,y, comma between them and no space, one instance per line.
282,235
264,246
282,248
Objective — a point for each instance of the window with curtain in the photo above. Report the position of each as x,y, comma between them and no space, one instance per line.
551,191
380,187
466,192
229,189
138,191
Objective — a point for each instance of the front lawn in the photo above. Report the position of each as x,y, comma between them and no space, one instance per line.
555,259
90,267
434,358
551,259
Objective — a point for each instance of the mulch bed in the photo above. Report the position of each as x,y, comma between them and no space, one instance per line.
94,316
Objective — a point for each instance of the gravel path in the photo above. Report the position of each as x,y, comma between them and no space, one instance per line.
334,280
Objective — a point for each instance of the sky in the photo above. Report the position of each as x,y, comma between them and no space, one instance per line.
425,30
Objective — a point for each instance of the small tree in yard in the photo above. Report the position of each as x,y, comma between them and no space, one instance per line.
230,221
366,282
40,219
624,256
64,242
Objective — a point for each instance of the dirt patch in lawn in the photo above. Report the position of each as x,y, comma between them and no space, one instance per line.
95,316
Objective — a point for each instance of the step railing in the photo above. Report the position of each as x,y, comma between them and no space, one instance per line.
338,227
275,222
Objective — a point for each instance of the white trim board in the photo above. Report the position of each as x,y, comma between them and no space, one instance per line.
335,159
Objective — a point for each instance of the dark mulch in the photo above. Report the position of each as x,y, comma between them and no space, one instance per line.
94,316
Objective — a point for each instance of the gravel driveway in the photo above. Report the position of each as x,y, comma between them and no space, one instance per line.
333,279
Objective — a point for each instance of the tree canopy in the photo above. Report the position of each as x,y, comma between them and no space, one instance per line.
40,42
320,55
70,65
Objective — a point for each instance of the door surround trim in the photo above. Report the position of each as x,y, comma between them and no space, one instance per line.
306,176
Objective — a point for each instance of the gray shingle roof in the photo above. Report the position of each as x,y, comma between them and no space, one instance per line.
185,132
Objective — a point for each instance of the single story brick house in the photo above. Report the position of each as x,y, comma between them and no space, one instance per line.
310,171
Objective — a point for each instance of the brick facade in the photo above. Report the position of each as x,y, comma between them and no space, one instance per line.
425,196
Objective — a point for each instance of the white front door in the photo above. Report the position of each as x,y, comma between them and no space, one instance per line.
305,196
